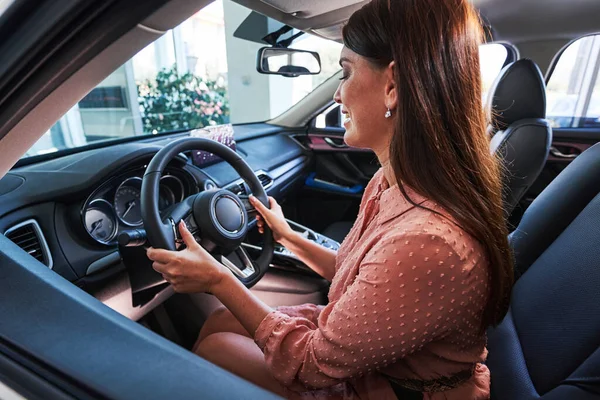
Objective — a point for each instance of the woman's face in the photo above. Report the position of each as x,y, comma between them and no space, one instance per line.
364,95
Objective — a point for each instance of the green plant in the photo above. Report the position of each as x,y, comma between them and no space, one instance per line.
173,102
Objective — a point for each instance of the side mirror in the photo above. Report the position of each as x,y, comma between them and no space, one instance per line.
287,62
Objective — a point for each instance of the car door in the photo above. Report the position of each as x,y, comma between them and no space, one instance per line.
573,108
333,189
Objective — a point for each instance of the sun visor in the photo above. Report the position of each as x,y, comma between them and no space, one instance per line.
256,26
309,8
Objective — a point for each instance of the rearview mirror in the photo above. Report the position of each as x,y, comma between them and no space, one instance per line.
287,62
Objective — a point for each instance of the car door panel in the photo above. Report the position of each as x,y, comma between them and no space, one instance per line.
567,144
333,190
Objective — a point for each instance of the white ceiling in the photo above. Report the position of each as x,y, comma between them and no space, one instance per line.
309,8
528,20
512,20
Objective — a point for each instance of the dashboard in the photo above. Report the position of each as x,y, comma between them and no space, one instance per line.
79,203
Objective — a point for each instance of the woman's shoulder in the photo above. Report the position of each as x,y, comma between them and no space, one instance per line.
431,230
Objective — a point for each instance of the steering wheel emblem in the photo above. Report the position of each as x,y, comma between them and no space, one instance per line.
229,213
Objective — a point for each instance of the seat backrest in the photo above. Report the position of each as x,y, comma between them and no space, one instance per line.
548,346
521,134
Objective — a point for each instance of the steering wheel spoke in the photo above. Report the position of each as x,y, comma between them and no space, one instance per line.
250,210
181,211
247,269
208,245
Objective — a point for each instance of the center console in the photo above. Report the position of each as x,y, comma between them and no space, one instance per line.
282,254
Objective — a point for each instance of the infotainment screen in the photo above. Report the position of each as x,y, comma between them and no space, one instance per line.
221,133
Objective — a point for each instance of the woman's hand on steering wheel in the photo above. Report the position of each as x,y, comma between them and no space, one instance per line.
273,217
191,270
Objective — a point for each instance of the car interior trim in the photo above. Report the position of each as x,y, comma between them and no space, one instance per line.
40,236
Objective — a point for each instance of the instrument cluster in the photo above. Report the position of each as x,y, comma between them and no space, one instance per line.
116,205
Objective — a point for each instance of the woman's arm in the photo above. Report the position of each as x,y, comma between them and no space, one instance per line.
194,270
409,289
246,307
318,258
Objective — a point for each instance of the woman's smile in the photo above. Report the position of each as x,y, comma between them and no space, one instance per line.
347,120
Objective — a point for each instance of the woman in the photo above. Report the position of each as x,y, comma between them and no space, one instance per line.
426,267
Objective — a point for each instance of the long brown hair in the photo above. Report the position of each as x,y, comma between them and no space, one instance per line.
439,147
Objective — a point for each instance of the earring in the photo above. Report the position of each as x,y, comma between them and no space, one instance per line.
388,113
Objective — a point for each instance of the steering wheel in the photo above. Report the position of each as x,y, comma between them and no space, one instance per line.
217,218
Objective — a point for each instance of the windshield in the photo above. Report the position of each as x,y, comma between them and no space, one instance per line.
197,74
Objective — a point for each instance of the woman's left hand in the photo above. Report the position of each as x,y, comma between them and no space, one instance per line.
191,270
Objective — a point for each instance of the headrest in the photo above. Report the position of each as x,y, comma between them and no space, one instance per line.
518,93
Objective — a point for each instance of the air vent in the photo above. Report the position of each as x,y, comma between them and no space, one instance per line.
265,180
239,189
28,236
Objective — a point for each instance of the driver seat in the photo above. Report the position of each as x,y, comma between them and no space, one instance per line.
548,345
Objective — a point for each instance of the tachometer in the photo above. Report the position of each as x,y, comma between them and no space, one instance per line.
100,221
171,191
127,202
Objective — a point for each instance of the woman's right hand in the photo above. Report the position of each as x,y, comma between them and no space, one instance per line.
273,217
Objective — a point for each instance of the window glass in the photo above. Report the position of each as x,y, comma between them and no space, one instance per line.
492,58
573,90
201,73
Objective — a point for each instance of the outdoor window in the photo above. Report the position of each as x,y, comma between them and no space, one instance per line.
201,73
573,92
492,58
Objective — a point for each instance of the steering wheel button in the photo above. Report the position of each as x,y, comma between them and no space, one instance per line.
191,224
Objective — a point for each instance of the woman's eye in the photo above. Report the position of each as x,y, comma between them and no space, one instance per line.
344,77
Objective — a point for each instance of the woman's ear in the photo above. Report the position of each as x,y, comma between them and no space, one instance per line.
391,89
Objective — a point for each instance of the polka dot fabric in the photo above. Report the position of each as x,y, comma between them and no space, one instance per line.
406,301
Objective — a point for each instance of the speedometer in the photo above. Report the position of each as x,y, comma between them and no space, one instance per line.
127,202
100,221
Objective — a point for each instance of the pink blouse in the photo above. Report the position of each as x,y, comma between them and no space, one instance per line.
406,301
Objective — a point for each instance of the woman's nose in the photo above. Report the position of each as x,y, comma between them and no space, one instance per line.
337,96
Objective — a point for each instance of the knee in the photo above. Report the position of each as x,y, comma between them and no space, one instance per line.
208,344
220,314
219,318
219,348
216,322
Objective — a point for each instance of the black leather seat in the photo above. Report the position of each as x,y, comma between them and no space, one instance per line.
520,133
548,346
